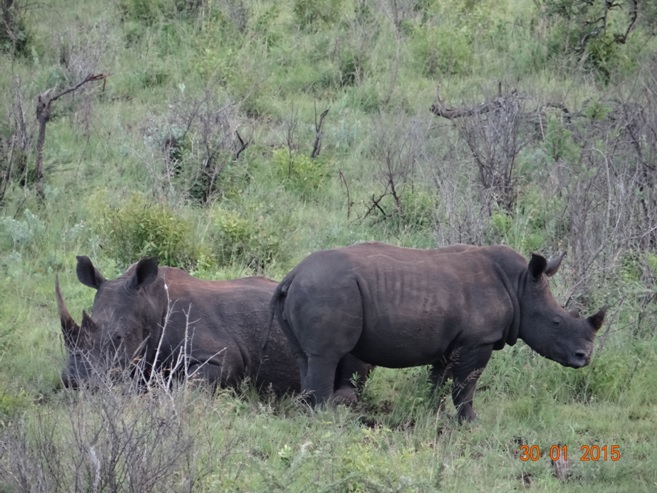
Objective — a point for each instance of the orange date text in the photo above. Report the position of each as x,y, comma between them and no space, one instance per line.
588,453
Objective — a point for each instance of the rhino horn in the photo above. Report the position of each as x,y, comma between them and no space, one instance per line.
597,319
88,323
70,329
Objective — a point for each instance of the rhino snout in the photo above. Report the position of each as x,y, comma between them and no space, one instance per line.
579,358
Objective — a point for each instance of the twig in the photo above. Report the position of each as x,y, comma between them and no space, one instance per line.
243,145
317,147
346,186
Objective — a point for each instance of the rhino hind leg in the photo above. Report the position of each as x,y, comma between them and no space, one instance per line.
320,378
465,372
440,372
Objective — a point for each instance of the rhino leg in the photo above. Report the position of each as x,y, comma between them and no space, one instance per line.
302,363
320,377
465,372
439,373
349,378
224,370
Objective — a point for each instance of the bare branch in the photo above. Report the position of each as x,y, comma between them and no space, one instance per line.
440,109
243,145
44,102
346,186
318,133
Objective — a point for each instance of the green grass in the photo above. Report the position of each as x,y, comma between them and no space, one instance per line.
277,68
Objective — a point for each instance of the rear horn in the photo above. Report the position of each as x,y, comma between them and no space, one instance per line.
70,329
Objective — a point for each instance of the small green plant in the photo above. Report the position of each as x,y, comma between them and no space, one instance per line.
23,232
11,405
300,172
141,228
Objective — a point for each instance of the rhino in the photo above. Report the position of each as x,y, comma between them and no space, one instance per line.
401,307
172,322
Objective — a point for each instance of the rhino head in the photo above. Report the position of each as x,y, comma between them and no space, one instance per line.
117,330
546,327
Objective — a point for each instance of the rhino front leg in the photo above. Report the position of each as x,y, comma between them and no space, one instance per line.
349,379
466,371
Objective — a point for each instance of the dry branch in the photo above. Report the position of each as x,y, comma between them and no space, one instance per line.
346,186
439,108
44,102
317,147
243,145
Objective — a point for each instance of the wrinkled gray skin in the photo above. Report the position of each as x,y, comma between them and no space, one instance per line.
401,307
169,320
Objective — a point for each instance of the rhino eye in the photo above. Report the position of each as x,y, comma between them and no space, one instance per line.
557,320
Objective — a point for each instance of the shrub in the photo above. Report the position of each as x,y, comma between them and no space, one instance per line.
244,240
311,15
25,232
299,172
139,228
151,11
110,441
442,50
14,36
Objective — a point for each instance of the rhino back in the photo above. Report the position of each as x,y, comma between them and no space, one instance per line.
414,304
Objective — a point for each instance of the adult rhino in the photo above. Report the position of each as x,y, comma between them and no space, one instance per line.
169,320
400,307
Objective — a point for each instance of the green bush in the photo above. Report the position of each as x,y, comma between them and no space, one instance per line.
15,37
141,228
442,50
24,232
239,239
151,11
12,405
299,172
525,230
414,214
312,15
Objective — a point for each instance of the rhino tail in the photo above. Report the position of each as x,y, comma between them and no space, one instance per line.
277,307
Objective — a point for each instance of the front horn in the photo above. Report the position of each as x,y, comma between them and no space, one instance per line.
70,329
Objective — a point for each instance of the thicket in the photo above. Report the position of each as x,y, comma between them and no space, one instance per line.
233,138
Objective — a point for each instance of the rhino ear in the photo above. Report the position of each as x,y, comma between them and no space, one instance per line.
145,273
553,264
537,266
597,319
88,274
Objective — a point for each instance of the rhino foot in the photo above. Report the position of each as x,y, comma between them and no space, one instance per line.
347,396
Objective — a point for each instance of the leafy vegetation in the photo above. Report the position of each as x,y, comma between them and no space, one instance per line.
528,123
